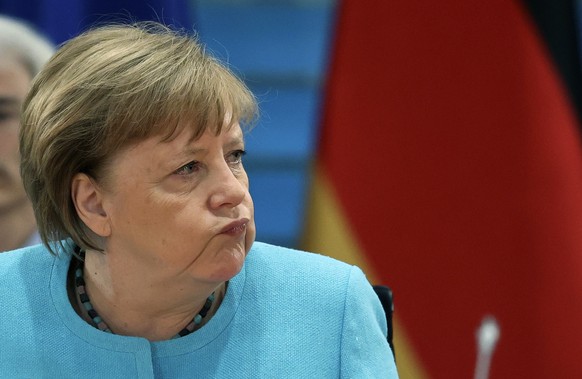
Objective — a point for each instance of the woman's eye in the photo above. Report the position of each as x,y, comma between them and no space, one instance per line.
188,168
6,115
236,156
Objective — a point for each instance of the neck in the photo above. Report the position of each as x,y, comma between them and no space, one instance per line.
137,303
17,224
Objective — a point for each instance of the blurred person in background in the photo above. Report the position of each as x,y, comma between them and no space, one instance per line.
23,52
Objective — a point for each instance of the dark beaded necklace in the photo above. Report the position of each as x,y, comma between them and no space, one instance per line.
100,324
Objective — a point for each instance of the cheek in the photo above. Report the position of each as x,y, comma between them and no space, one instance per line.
9,143
250,235
134,211
251,227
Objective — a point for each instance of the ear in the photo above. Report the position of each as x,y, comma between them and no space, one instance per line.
88,200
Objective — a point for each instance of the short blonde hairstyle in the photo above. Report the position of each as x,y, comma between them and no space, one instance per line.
105,90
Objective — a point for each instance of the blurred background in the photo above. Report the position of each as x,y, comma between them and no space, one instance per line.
437,146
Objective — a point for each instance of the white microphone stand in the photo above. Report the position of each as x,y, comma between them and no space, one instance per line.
487,337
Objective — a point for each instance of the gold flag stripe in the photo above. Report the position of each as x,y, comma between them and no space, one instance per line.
327,232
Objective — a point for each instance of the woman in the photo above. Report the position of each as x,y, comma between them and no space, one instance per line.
22,54
132,146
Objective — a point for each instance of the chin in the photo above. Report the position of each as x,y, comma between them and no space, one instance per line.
229,266
224,274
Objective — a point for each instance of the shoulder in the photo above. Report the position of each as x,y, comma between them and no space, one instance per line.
274,268
278,260
23,256
274,254
24,265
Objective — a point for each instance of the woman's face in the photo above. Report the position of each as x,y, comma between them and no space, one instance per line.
182,207
14,83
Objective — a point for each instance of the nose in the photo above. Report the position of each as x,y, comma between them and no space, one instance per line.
228,188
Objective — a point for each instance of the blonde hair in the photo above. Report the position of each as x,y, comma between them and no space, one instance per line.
109,88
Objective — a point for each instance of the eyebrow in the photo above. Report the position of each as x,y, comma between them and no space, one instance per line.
234,141
189,150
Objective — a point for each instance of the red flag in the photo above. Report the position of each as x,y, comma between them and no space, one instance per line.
450,160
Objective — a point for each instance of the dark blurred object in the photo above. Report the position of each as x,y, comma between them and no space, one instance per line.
387,300
558,24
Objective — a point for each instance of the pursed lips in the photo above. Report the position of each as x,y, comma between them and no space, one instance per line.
235,227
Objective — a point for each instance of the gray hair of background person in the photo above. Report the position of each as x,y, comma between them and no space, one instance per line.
20,40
